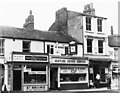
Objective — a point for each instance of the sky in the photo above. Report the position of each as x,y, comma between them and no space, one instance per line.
14,12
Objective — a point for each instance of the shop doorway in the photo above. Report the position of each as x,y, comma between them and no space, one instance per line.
54,78
96,70
16,79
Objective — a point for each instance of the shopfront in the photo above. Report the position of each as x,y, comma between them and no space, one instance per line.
99,66
68,73
28,72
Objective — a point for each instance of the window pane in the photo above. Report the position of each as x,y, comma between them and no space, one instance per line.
100,46
52,50
99,23
88,23
48,48
89,45
35,74
66,50
26,46
72,77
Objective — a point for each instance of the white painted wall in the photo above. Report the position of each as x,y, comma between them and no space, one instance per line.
37,46
94,32
11,45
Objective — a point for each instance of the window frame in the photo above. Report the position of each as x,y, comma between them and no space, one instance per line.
100,46
88,46
50,49
99,25
28,46
2,47
35,76
88,23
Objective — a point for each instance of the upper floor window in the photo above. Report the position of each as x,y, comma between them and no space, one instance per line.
1,47
99,25
26,46
50,49
100,46
66,50
89,45
88,23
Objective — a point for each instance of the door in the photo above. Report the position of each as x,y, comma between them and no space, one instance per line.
54,78
16,79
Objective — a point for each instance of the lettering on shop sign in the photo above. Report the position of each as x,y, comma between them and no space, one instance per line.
69,61
35,88
39,58
42,58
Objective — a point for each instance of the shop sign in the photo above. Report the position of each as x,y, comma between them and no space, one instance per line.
37,72
36,58
35,88
69,61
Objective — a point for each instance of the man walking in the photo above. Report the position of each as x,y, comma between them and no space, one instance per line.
98,81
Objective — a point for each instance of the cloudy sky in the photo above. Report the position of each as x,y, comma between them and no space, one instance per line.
14,12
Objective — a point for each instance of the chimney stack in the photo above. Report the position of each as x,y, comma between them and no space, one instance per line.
29,22
88,9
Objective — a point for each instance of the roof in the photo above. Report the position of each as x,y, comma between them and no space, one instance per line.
21,33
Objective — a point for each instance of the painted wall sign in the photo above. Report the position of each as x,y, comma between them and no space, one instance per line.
36,58
68,61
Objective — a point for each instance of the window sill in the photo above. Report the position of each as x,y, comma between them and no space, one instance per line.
89,31
101,33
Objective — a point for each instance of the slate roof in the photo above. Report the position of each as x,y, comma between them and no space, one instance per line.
21,33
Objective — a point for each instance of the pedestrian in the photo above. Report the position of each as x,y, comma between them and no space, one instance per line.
108,81
98,81
1,82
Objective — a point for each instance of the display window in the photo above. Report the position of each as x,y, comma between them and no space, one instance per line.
34,74
72,77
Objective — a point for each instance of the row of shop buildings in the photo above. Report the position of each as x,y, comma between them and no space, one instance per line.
68,56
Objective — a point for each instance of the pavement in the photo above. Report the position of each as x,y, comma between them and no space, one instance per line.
92,90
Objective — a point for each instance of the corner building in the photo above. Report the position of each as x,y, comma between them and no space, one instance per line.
34,60
93,32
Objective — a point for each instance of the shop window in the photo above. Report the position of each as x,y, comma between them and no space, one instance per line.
50,49
26,46
72,77
99,25
34,74
73,74
100,46
1,47
88,23
89,45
